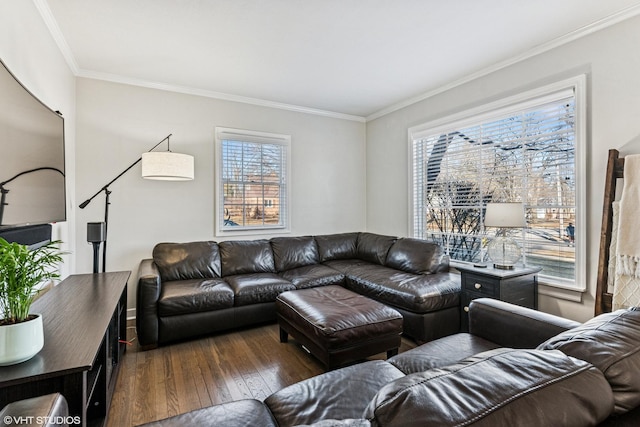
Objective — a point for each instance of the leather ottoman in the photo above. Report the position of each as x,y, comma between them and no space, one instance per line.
337,325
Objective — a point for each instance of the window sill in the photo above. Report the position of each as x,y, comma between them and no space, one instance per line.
252,232
574,295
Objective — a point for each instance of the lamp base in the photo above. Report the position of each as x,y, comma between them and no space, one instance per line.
504,252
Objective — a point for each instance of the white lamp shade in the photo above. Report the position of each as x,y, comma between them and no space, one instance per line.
504,215
167,166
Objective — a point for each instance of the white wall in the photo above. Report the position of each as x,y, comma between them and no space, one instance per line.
28,50
611,60
117,123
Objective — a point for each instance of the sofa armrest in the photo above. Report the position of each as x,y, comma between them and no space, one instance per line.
148,293
510,325
41,411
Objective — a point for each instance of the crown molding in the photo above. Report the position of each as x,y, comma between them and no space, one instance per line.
116,78
54,29
610,20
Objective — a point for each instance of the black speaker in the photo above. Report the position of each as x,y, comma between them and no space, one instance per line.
96,232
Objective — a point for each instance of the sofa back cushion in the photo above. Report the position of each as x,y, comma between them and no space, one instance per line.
184,261
502,387
337,246
611,342
294,252
373,248
417,256
245,257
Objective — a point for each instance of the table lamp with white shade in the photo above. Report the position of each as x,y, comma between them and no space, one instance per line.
503,250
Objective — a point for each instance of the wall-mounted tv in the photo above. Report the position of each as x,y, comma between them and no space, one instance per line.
32,161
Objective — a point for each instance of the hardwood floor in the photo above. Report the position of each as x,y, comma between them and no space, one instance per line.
178,378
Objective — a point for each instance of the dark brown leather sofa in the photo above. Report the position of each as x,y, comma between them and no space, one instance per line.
552,372
566,374
197,288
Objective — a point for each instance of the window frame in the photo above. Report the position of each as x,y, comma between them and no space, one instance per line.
514,103
223,133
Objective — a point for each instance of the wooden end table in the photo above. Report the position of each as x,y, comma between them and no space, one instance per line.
517,286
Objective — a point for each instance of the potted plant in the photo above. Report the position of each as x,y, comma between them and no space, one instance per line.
22,270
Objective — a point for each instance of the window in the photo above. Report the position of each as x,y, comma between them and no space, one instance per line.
529,149
252,184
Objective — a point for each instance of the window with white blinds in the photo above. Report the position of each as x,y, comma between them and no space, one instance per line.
525,149
252,190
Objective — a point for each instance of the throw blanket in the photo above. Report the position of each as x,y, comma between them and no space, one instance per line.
626,292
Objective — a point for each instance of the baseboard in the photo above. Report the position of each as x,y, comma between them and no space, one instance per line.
131,314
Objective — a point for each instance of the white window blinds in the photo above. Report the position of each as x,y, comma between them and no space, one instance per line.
252,184
524,152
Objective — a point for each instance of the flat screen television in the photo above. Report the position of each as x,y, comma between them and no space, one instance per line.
32,160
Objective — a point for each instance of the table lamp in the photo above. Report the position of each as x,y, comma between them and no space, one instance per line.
503,250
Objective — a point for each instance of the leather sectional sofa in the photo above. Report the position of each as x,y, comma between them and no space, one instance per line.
515,367
557,373
197,288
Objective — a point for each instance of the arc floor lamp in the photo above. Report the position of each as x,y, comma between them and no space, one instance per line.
158,165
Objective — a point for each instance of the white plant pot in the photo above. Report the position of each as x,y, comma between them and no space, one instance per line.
21,341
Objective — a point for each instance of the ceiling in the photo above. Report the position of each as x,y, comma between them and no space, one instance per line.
349,58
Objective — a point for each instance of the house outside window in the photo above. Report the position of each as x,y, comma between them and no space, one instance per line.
528,148
252,191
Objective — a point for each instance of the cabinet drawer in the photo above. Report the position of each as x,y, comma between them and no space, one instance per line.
483,285
467,297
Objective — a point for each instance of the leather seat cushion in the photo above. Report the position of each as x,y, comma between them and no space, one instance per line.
502,387
311,276
340,394
441,352
417,256
337,246
350,422
182,261
240,413
245,257
334,317
193,296
611,342
418,293
42,411
346,265
257,287
294,252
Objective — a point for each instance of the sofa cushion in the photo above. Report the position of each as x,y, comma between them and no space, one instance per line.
240,413
339,423
294,252
413,292
337,246
417,256
374,247
246,256
258,287
50,410
502,387
340,394
441,352
311,276
180,261
193,296
611,342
